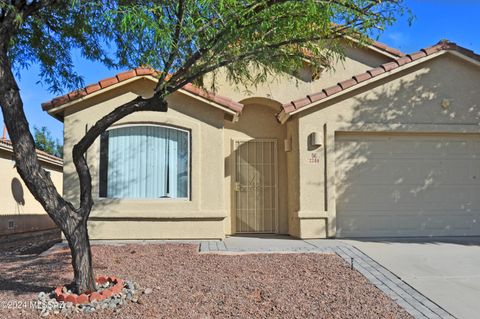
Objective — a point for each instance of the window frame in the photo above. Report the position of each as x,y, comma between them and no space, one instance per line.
189,163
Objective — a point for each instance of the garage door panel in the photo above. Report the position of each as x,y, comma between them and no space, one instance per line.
410,171
455,148
378,197
359,199
406,228
430,147
472,203
408,185
404,197
468,175
438,222
370,147
475,172
387,225
402,172
451,197
404,147
466,222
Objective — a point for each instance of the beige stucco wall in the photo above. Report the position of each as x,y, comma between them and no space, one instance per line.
285,88
293,177
410,102
199,217
209,211
257,121
17,204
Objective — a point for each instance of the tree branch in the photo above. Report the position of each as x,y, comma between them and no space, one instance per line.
201,52
176,39
246,55
38,182
155,103
234,18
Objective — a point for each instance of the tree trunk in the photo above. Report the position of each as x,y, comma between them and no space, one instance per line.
72,222
79,244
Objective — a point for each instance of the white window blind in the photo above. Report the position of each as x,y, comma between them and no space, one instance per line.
145,162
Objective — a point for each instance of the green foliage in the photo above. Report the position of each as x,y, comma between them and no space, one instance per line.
49,35
191,38
45,142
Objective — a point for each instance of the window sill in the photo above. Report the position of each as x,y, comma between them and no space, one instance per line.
157,215
146,200
149,208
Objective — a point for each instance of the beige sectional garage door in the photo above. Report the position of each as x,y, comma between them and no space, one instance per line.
407,185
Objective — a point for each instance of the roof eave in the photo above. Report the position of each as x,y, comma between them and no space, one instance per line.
283,116
464,57
204,100
385,53
57,112
377,49
42,158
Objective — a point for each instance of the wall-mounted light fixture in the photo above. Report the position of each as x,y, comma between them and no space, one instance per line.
287,144
315,139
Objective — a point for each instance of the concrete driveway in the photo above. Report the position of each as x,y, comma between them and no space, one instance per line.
446,270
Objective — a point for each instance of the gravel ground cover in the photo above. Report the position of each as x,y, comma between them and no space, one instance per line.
186,284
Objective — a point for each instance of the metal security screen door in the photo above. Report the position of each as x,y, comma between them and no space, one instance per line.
256,186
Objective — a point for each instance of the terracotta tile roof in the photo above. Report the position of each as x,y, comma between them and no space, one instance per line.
41,154
386,48
222,100
372,73
375,44
74,95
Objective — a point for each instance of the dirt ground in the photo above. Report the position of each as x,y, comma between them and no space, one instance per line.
187,284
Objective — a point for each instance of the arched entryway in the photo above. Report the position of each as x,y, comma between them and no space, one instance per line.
255,171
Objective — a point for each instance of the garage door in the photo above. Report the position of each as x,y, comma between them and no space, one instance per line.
407,185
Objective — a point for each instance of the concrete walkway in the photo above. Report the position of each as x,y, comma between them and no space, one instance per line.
447,270
272,243
407,297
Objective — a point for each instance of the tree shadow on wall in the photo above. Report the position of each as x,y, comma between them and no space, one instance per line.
404,173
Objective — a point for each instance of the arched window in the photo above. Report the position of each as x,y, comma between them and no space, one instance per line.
145,161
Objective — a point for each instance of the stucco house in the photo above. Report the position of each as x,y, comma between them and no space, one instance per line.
21,216
385,144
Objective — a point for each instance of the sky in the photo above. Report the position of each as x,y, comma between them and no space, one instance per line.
434,20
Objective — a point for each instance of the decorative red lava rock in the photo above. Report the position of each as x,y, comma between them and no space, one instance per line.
83,298
71,298
96,296
102,280
107,293
115,287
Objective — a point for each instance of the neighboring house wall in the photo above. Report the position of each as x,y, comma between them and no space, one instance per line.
409,103
19,210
